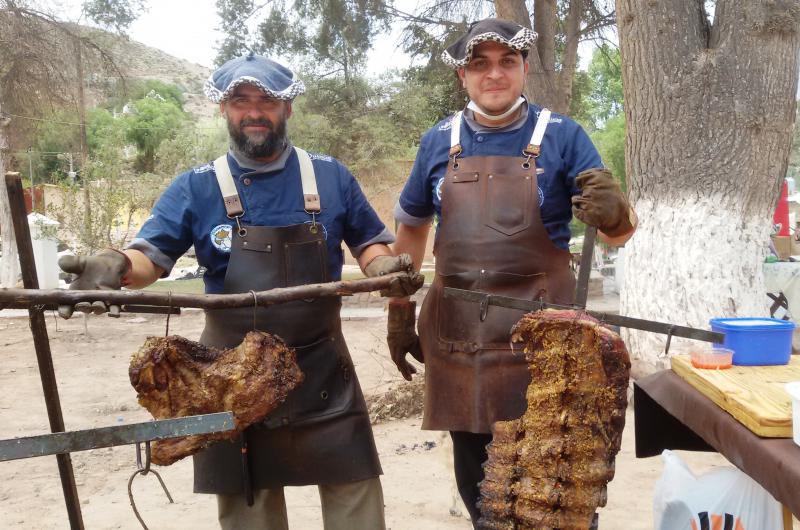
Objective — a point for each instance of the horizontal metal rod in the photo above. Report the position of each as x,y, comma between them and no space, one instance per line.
607,318
72,441
35,297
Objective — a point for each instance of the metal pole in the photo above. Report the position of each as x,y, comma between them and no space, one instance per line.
585,270
41,344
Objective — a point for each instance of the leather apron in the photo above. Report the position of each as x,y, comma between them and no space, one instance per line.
321,433
491,239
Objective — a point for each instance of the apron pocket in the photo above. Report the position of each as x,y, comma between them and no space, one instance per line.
459,321
506,205
305,263
326,390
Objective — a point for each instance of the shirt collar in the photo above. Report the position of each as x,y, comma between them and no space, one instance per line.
249,165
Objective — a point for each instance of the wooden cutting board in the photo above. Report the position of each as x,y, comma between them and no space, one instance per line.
754,395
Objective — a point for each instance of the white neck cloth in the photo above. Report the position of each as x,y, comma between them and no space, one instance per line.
496,117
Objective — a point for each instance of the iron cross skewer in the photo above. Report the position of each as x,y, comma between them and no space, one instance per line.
484,299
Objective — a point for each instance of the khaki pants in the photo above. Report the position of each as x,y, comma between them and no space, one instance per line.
348,506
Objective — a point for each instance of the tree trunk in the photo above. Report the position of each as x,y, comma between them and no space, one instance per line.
572,31
709,112
541,85
87,204
9,262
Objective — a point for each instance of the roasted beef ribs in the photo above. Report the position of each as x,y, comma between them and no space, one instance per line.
176,377
549,468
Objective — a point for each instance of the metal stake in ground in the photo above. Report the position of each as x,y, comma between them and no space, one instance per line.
41,343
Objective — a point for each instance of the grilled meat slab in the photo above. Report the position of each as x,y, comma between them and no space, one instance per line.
549,468
176,377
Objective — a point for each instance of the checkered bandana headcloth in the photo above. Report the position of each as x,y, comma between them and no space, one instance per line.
274,79
507,33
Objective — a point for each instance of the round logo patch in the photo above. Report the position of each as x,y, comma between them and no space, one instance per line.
541,197
439,189
221,237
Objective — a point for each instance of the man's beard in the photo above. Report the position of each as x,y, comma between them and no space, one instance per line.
258,146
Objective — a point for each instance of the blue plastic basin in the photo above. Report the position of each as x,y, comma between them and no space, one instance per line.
756,341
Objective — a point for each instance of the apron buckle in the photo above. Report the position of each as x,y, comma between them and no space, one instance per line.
454,152
239,230
313,229
531,151
527,163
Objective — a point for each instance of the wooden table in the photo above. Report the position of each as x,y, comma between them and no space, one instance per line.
669,413
754,395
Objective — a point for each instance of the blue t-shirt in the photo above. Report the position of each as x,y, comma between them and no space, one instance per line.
191,212
566,151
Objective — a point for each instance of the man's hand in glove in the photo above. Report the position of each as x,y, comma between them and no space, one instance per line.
601,203
400,287
402,337
104,270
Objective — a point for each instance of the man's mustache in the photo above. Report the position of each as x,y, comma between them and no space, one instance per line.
258,122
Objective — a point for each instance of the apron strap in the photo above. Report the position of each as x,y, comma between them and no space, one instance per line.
233,204
309,182
455,134
535,145
532,150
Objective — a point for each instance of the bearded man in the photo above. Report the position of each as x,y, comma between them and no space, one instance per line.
268,215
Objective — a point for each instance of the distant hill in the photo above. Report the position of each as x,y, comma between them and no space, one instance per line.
139,61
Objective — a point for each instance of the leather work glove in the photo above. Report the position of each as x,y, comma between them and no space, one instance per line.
601,202
402,337
400,287
104,270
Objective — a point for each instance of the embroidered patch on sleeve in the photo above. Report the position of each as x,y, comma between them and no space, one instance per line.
221,237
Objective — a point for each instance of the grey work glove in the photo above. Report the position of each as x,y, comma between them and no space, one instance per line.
104,270
601,202
400,287
402,337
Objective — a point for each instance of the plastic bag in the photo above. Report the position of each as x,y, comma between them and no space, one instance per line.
722,499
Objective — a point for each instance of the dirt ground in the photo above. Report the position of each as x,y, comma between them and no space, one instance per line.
91,362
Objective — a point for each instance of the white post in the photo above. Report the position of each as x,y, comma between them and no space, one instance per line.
45,249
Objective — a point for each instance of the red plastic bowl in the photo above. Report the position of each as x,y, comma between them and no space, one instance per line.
714,359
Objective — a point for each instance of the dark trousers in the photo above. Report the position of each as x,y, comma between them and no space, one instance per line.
469,454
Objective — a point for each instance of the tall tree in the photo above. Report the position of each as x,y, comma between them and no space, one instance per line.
152,119
39,70
560,24
710,105
334,34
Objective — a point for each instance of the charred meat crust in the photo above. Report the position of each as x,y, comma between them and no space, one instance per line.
176,377
549,468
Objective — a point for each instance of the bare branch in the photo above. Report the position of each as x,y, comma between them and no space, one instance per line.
16,298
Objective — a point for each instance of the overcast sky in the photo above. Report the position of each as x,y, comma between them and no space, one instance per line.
188,29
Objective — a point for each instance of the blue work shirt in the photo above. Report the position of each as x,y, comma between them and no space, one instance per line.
191,212
566,151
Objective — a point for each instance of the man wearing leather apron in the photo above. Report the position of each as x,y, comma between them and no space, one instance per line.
503,178
266,215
